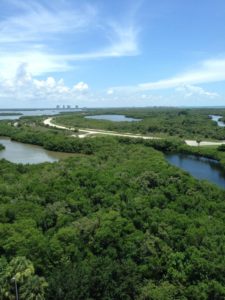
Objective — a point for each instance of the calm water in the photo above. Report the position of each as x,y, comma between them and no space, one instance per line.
24,153
36,112
114,118
216,118
199,167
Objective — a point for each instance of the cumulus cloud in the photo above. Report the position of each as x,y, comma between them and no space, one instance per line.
22,75
81,87
23,87
29,91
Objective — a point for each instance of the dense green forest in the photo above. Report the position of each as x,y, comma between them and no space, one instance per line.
117,222
182,123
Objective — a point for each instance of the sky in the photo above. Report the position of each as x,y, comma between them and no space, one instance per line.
103,53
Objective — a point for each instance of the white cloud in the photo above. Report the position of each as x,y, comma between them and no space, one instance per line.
39,63
123,40
38,33
25,89
208,71
110,92
29,91
22,75
35,21
212,70
183,86
81,87
190,90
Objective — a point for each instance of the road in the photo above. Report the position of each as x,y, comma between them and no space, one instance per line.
88,131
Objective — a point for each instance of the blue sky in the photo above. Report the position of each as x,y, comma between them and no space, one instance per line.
112,53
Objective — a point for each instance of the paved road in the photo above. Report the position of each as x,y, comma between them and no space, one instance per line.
89,131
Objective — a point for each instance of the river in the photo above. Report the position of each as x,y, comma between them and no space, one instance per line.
199,167
217,118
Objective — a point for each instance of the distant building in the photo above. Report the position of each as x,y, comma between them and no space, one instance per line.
57,106
68,107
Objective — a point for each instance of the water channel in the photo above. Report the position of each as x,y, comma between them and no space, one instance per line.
199,167
217,118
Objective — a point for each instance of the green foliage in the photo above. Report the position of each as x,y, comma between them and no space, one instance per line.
165,122
221,148
50,139
162,291
19,274
120,223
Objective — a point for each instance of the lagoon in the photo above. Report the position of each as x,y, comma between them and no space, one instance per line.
113,118
28,154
